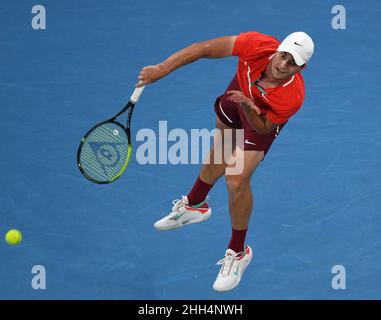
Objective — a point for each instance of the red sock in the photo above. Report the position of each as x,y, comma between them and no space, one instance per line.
199,192
237,242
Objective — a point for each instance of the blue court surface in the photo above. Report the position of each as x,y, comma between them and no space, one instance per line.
316,194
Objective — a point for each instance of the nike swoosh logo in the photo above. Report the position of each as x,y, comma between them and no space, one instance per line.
298,44
248,142
178,216
236,271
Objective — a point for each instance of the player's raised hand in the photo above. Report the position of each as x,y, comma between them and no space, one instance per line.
150,74
240,98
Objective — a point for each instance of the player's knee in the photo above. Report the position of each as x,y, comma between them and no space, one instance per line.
236,184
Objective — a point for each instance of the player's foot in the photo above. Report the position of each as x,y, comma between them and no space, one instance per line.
183,214
233,266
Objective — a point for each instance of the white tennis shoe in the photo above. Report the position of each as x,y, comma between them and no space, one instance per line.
232,267
182,214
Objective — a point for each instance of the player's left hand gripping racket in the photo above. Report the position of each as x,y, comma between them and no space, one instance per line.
105,150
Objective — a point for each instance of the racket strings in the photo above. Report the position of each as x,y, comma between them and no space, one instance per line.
104,152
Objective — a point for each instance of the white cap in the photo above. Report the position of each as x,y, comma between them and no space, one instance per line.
299,45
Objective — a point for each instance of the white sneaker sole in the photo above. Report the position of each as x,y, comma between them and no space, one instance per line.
200,218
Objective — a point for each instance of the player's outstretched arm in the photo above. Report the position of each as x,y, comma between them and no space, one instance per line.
212,49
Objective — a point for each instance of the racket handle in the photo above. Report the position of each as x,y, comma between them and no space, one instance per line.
136,94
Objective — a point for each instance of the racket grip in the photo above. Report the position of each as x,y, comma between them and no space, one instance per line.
136,94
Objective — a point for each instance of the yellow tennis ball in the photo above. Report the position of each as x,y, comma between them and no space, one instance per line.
13,237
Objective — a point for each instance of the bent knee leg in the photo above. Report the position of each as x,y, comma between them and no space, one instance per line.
236,185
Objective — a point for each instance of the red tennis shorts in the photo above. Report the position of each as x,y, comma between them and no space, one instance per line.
229,113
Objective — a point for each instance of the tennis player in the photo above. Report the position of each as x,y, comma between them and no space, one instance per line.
266,91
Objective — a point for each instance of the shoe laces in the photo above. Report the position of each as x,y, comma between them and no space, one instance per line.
178,203
227,263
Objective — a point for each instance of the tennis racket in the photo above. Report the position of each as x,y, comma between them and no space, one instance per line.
105,150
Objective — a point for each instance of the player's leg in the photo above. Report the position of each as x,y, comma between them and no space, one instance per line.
238,256
227,121
193,208
214,165
239,190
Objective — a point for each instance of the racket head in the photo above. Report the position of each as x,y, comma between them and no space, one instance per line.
104,152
